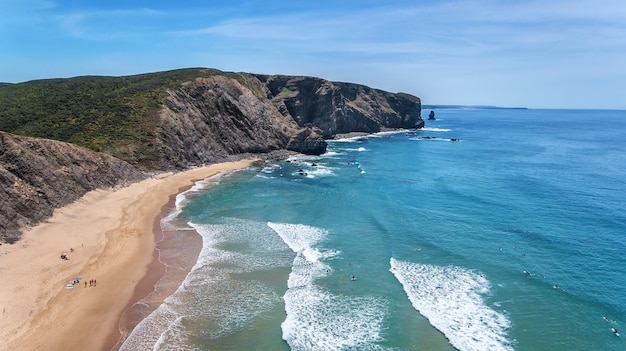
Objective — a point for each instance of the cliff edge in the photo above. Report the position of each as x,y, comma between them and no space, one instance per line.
64,137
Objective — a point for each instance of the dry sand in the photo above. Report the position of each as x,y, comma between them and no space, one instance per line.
111,232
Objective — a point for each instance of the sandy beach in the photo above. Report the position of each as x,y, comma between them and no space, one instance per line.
108,237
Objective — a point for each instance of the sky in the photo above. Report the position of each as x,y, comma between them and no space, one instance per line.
508,53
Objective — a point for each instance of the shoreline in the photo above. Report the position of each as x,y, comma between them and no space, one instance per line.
155,271
162,278
112,234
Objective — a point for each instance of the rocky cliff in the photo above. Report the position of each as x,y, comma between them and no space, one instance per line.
39,175
337,108
209,118
166,121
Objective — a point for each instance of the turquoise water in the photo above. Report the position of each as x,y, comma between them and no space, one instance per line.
511,238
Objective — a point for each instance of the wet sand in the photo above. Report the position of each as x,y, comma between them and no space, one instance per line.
112,236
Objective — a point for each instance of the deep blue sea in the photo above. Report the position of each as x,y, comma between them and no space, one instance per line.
489,229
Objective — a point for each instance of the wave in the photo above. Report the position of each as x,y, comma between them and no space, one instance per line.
451,298
332,154
307,165
271,168
169,222
430,129
269,171
317,319
318,170
389,132
360,137
353,139
359,149
209,301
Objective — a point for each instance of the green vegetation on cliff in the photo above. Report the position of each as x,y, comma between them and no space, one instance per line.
111,114
166,121
182,118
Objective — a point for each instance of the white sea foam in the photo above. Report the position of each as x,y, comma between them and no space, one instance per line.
358,166
310,166
181,199
353,139
271,168
208,295
303,158
298,237
358,138
317,319
451,298
332,154
319,171
359,149
389,132
168,222
429,129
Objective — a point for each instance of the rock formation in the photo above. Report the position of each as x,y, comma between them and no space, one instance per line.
337,108
211,117
39,175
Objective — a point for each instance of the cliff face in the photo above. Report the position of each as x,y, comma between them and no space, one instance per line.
39,175
337,108
167,121
211,118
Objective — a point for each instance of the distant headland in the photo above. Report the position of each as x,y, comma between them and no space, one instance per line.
470,107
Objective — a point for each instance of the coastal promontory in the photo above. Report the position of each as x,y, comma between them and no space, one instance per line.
61,138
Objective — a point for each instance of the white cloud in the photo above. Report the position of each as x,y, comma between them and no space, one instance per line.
452,50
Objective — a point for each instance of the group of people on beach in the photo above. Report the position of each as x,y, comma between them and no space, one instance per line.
92,282
64,255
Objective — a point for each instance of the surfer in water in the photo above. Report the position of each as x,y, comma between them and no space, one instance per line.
353,278
615,331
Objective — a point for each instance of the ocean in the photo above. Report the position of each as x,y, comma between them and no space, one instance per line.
489,229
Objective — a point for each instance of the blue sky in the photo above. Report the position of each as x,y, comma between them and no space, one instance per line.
531,53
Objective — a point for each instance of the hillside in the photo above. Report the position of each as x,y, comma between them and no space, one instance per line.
144,119
39,175
120,127
110,114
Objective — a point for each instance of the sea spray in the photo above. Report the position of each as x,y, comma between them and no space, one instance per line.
451,298
317,319
210,303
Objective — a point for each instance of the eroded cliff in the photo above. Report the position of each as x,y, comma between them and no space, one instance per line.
39,175
210,118
166,121
337,108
